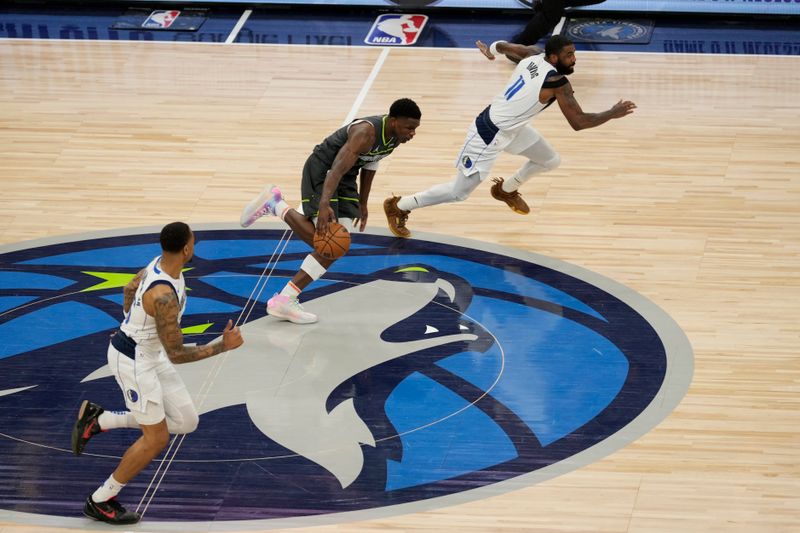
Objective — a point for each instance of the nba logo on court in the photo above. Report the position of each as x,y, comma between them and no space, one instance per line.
161,19
396,30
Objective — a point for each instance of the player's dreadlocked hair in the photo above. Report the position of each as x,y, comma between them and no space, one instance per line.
405,107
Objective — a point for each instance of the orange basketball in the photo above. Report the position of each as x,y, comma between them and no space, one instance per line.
333,244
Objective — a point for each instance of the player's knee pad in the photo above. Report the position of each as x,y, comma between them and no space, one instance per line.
312,267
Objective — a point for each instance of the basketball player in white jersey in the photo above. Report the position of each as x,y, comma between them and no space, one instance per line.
538,80
141,355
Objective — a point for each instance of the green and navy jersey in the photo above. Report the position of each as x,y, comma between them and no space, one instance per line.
326,150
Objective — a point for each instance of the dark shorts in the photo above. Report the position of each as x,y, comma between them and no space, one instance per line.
344,201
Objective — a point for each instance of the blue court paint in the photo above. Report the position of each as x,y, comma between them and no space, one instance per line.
248,248
30,280
539,379
443,450
570,375
10,302
51,325
118,256
242,285
195,305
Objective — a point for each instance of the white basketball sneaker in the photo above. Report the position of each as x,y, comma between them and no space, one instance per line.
281,306
263,205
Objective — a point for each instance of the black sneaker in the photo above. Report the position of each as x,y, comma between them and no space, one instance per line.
86,426
110,511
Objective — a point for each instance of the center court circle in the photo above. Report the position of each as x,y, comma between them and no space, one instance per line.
442,370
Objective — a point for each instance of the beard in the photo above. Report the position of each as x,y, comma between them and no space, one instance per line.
564,69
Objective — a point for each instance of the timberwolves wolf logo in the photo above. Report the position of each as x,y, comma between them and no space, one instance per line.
610,31
438,367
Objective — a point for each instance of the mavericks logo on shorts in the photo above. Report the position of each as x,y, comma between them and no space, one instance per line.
133,396
466,161
396,30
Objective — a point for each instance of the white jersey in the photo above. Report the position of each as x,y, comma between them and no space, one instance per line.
519,102
140,326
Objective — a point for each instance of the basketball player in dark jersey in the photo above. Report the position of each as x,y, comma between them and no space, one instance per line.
331,193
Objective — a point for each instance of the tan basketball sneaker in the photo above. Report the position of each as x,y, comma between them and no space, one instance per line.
513,199
396,217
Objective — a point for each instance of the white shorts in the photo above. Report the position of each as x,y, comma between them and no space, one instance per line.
149,387
477,156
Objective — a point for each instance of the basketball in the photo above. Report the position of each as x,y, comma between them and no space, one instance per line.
333,244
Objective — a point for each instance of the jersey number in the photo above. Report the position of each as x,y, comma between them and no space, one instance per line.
515,87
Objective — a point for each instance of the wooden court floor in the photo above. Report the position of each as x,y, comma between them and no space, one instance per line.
693,202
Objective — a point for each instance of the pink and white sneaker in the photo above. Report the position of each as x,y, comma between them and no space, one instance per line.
281,306
263,205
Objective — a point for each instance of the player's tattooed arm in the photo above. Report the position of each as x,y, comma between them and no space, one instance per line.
129,291
578,119
165,305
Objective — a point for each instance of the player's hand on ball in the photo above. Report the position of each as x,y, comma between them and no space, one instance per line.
334,243
325,217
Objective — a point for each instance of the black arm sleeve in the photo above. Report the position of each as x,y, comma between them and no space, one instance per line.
554,80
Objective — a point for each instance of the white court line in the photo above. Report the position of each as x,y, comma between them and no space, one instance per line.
236,29
367,84
559,26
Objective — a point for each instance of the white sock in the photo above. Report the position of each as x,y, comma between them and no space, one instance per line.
525,172
291,290
107,490
281,208
117,419
511,184
407,203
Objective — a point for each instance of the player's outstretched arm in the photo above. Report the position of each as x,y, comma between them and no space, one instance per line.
514,52
578,119
166,310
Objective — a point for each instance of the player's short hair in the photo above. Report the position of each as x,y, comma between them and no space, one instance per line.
405,107
174,236
555,44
